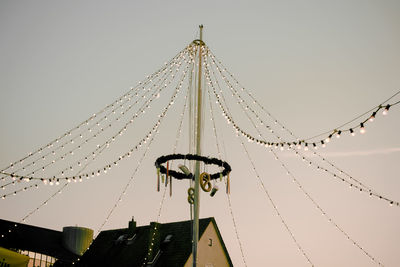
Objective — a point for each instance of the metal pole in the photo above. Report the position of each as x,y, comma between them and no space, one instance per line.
198,152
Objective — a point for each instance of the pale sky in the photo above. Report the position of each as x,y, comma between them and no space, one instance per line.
314,65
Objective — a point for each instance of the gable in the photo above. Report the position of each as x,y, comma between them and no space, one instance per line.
211,249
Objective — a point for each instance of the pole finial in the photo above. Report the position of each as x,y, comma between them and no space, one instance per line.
201,32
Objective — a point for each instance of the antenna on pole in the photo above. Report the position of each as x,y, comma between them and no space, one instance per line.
198,152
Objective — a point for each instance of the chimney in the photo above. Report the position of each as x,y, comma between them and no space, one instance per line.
132,227
154,241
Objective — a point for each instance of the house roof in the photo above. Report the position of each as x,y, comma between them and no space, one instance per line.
113,248
33,238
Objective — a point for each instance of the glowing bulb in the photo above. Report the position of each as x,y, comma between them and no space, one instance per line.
362,129
352,132
371,119
386,110
338,134
328,139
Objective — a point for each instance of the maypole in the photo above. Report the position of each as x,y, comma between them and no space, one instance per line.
198,153
200,180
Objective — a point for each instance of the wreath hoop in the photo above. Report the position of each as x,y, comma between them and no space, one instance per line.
180,175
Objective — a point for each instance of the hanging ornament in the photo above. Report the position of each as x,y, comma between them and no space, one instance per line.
205,183
190,197
158,179
228,184
170,186
167,174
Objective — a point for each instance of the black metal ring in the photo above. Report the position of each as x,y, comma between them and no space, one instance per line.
181,175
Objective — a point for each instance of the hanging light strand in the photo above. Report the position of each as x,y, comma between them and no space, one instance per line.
86,121
228,195
300,248
107,143
323,212
98,172
177,89
311,199
259,178
360,187
305,142
44,203
178,135
62,157
132,178
307,194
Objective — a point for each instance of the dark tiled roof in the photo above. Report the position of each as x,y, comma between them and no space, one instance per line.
33,238
106,251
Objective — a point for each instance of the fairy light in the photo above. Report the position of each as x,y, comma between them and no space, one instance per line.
148,137
361,189
290,232
177,89
126,154
143,156
310,163
228,195
325,214
87,121
55,141
223,70
63,156
295,180
265,190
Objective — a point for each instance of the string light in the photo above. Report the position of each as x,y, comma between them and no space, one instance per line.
259,179
150,138
310,163
228,195
301,188
295,180
63,156
126,154
86,122
327,139
274,206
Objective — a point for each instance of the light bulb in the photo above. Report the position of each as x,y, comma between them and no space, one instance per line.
386,110
362,129
371,119
338,134
352,132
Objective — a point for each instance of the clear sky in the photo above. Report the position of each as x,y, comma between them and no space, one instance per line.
313,64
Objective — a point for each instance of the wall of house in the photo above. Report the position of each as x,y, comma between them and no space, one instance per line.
210,250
